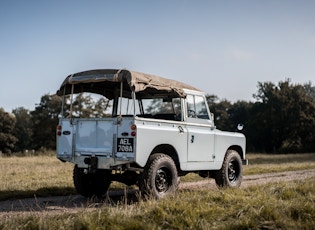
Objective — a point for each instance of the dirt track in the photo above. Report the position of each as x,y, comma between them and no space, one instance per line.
75,203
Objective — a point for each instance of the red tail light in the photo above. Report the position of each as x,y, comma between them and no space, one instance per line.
59,128
133,128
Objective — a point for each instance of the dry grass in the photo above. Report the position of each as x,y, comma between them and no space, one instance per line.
34,175
45,175
268,163
287,205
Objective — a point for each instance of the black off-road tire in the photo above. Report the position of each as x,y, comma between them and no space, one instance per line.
230,174
91,184
159,177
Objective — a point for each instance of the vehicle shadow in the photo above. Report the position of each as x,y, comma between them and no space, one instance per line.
72,202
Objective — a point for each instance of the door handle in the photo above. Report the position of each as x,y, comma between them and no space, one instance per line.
192,139
181,130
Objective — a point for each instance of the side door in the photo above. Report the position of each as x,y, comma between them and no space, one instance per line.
200,130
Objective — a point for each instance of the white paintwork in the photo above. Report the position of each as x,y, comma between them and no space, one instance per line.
94,136
196,142
152,133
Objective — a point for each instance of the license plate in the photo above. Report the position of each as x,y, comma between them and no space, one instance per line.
125,145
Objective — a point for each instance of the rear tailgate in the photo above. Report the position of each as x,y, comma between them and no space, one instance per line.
95,137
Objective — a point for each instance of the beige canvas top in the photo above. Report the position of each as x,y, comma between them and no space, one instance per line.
107,81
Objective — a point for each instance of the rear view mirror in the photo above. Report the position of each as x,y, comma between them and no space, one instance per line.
240,127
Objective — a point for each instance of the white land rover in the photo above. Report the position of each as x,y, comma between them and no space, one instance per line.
155,131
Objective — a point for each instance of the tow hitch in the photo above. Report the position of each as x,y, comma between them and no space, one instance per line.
92,163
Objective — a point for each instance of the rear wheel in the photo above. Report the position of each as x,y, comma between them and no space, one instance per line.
159,177
230,175
91,184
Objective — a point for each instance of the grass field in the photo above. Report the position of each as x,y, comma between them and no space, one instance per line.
273,206
46,176
287,205
37,175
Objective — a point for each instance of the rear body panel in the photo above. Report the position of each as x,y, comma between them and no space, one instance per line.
94,136
103,138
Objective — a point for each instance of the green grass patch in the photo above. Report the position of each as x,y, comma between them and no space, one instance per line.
289,205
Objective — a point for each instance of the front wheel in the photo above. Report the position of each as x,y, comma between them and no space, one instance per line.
159,177
230,174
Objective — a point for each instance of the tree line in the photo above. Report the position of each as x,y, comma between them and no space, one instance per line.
280,120
24,130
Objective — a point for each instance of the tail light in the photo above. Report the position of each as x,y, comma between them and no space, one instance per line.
59,128
133,132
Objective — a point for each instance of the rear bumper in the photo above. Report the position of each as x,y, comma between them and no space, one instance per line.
96,161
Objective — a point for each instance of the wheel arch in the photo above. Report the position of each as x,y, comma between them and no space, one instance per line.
169,150
238,149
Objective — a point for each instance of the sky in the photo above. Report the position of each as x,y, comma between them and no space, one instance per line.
220,47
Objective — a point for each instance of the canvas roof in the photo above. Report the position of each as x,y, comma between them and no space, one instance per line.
107,81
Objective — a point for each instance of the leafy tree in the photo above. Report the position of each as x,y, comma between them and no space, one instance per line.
45,120
220,110
84,105
23,129
240,113
228,115
100,107
283,117
310,90
281,120
7,139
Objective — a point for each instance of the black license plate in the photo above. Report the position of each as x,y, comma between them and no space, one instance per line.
125,145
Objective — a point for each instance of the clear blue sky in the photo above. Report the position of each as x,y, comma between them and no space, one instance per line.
221,47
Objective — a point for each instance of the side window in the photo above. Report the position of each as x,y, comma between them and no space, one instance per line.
162,108
177,106
127,106
196,107
191,106
201,108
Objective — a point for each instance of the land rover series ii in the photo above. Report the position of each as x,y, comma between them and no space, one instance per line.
155,130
